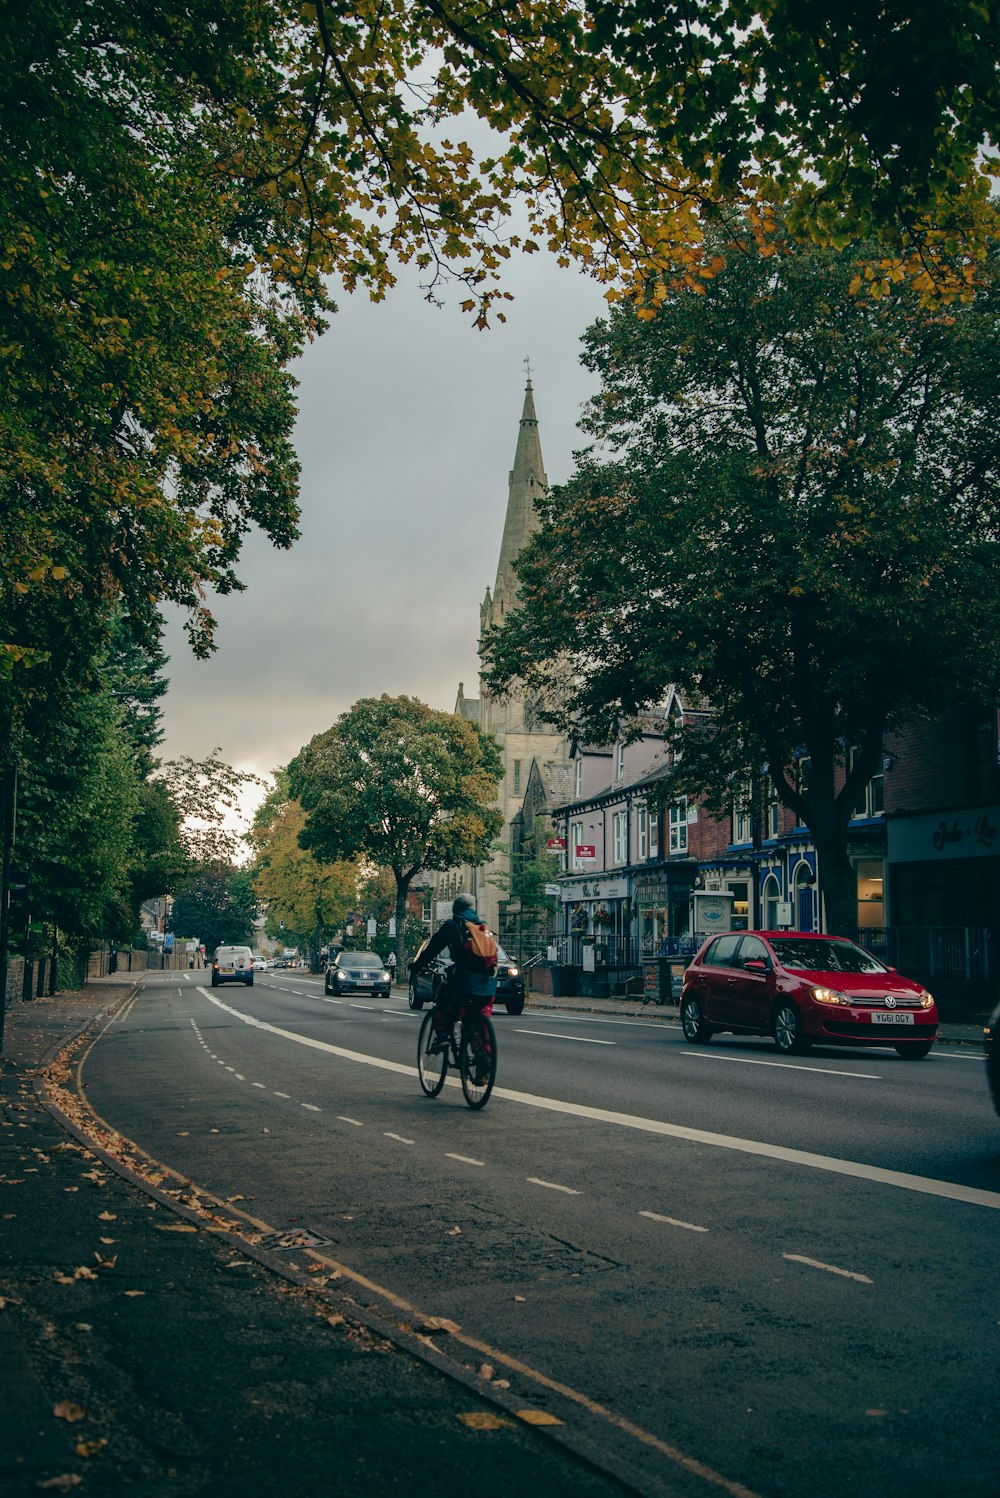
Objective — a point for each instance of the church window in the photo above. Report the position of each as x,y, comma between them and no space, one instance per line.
517,777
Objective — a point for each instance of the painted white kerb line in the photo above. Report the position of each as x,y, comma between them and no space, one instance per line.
926,1185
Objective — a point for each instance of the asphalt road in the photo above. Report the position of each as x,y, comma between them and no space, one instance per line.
735,1271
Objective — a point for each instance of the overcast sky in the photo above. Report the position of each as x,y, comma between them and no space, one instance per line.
407,429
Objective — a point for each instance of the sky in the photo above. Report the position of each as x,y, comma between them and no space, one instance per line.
408,421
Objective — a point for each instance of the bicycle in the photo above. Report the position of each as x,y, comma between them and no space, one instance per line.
473,1051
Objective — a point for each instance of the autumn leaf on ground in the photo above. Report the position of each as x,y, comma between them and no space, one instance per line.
90,1448
67,1410
176,1227
131,1294
62,1483
107,1216
105,1263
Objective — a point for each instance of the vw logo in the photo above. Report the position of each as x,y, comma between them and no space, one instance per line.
890,1002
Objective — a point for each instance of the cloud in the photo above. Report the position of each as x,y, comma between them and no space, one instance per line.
407,429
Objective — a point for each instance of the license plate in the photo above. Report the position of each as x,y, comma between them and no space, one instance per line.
891,1017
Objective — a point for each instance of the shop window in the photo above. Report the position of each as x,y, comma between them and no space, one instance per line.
740,891
871,900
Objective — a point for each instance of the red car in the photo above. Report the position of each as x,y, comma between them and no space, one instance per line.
799,988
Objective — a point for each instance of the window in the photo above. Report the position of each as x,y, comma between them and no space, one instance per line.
642,833
575,839
772,817
654,834
722,951
517,777
619,836
742,818
679,826
870,802
619,764
578,777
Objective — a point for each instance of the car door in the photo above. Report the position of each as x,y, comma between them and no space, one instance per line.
716,978
752,989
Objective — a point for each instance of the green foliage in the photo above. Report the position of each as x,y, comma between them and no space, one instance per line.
305,897
400,784
797,525
217,907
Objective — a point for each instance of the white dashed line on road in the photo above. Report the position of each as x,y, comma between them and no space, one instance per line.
312,1107
239,1076
552,1186
674,1222
282,1094
259,1084
355,1121
847,1274
580,1039
398,1137
816,1071
463,1159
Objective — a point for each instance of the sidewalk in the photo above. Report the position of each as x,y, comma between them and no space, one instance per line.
142,1351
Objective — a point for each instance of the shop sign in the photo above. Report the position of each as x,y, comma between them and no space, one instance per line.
586,852
966,834
555,844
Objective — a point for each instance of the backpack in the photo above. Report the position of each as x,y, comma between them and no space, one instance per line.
480,949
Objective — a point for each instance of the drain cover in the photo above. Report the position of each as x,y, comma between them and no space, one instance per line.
295,1238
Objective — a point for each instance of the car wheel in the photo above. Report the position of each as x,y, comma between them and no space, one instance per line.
250,981
693,1022
214,981
915,1050
413,998
787,1030
326,984
515,1005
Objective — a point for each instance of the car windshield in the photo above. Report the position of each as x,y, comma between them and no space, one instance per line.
360,959
818,956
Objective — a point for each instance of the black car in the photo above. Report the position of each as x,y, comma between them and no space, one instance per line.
991,1037
424,987
357,972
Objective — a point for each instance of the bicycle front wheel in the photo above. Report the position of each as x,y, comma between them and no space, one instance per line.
432,1066
477,1061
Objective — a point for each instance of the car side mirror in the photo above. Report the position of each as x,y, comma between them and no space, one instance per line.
757,965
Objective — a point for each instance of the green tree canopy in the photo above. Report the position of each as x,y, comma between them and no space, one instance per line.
217,908
797,525
403,785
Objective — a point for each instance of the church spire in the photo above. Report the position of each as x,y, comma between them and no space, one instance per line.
526,483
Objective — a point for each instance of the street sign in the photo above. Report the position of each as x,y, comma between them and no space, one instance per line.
168,941
371,927
552,889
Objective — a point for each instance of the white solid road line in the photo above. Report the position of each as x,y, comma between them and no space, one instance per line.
855,1169
817,1071
674,1222
847,1274
579,1039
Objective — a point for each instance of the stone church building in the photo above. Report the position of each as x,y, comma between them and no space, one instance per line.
513,720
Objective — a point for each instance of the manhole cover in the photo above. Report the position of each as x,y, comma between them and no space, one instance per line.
295,1238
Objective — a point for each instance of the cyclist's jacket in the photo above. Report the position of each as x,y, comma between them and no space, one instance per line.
462,979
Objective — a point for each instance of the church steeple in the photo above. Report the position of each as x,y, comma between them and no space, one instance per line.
525,484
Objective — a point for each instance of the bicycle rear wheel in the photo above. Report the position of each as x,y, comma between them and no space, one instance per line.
432,1066
477,1061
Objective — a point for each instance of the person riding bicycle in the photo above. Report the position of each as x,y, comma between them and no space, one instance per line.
466,983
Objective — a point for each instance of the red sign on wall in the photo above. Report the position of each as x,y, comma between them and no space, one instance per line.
586,853
556,844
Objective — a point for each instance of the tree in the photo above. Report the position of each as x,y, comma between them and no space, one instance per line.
307,898
403,785
217,908
177,183
798,526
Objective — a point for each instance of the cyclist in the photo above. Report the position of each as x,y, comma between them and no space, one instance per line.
465,985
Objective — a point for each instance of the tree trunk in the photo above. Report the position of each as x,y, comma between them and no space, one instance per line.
838,885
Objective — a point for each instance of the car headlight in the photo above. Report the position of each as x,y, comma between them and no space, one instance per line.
512,972
384,978
926,1000
830,996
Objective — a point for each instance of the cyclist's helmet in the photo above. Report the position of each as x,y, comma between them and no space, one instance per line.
462,903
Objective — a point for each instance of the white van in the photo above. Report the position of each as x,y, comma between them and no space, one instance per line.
232,965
